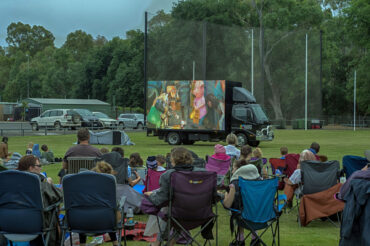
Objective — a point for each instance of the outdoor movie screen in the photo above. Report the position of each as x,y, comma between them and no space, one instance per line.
186,104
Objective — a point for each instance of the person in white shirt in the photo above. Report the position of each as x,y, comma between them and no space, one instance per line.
231,150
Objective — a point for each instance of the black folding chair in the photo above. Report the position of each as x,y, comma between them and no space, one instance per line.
21,207
91,205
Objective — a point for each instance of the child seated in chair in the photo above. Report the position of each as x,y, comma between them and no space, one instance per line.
231,200
220,153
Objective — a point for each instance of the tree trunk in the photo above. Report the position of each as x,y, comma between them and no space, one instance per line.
274,100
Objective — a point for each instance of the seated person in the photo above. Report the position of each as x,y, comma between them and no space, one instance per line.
220,153
47,154
231,149
82,149
315,148
122,180
181,160
293,181
102,167
257,155
29,148
104,150
246,152
4,154
134,161
364,173
36,151
50,193
231,200
161,160
283,152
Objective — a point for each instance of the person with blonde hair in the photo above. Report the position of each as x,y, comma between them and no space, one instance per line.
103,167
257,153
231,149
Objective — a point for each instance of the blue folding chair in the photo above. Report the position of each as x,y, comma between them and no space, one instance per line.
262,207
21,208
352,164
90,204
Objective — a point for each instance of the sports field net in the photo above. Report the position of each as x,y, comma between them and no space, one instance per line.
271,64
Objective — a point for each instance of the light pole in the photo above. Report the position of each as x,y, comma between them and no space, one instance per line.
28,76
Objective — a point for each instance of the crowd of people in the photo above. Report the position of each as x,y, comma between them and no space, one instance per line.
159,169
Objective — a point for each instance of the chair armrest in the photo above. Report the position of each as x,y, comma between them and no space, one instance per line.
230,209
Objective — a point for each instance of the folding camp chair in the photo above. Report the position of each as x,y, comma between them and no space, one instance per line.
90,204
258,163
260,212
152,180
291,162
75,164
352,164
119,165
219,166
192,196
319,184
278,164
21,207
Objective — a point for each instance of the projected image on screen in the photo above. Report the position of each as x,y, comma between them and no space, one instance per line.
198,104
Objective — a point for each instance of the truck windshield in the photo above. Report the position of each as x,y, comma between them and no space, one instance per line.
259,113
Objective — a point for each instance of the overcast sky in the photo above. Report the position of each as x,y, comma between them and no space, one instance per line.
108,18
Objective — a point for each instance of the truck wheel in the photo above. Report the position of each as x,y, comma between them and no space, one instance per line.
242,139
254,143
35,127
173,138
188,142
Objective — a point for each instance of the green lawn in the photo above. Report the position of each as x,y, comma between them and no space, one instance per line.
334,144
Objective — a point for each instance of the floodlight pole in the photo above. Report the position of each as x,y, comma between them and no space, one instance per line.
252,75
305,106
193,70
145,62
28,75
354,103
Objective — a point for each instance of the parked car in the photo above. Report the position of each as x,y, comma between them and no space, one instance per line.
56,118
106,121
131,120
87,118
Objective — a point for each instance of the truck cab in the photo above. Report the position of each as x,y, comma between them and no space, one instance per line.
248,120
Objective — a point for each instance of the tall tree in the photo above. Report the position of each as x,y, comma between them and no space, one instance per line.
79,43
23,37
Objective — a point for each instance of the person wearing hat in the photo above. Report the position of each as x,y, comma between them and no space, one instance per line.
364,173
220,153
247,171
151,163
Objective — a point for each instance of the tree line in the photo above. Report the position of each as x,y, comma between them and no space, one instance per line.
113,70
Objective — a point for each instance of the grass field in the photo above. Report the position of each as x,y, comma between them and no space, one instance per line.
334,144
